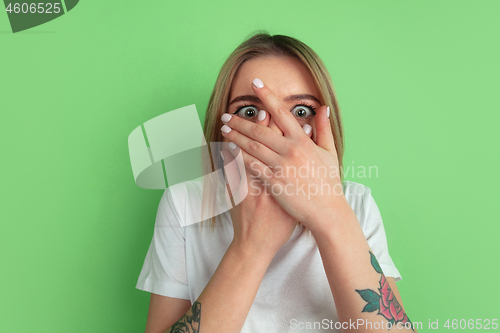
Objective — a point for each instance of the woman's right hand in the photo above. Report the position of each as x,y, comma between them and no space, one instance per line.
260,224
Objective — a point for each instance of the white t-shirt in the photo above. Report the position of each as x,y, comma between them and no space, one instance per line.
181,260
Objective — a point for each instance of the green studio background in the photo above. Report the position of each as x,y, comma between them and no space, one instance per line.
416,83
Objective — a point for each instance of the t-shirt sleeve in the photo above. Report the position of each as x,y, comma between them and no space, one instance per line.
373,228
164,268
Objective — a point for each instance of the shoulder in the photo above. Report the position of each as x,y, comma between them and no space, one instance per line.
192,187
179,199
355,191
360,199
182,194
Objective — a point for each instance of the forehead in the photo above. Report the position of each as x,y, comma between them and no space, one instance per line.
283,75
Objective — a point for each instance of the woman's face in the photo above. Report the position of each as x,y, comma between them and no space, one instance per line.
287,77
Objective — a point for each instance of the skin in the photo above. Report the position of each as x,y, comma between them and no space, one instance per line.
283,143
252,216
263,223
286,75
285,136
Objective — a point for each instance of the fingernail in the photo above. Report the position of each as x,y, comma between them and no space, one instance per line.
262,115
232,145
222,155
307,128
258,83
226,129
328,112
225,117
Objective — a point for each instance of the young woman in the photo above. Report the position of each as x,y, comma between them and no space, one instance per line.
304,250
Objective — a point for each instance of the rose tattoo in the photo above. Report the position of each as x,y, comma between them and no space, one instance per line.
190,323
385,302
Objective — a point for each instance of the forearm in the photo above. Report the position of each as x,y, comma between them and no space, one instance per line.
226,300
355,278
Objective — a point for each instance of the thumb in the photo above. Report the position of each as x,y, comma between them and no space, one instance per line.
324,135
233,175
236,175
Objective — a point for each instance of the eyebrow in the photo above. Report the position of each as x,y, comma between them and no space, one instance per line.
255,99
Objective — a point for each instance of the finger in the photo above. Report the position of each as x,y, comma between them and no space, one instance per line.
314,131
259,141
235,154
257,168
274,126
324,135
308,129
233,175
235,172
283,118
254,167
263,118
257,131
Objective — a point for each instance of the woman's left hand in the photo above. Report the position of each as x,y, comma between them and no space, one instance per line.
303,177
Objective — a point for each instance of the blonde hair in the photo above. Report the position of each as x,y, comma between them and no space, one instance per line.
262,44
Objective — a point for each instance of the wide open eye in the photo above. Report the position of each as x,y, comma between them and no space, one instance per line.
247,112
302,111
